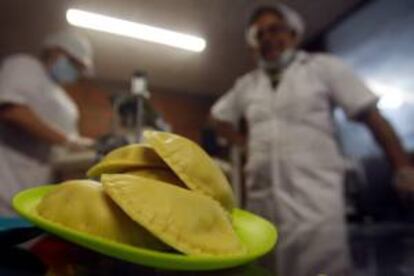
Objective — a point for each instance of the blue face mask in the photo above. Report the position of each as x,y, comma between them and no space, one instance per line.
63,71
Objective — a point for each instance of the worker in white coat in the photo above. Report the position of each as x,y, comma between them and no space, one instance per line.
36,113
295,170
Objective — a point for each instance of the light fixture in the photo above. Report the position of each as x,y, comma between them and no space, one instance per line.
135,30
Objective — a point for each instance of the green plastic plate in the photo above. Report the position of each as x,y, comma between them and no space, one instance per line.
256,233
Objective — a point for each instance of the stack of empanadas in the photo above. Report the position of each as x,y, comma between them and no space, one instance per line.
164,194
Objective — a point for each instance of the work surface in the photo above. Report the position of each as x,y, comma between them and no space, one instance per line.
378,249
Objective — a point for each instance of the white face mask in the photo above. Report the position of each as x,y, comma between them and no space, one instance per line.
285,58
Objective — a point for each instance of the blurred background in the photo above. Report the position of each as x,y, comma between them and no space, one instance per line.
375,37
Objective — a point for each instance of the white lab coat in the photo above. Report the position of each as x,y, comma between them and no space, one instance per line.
295,168
24,160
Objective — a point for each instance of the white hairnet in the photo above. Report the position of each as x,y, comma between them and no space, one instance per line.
292,18
74,44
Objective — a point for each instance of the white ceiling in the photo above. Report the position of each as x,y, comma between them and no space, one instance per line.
24,23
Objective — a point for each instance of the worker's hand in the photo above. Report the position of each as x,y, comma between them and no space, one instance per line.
77,143
404,183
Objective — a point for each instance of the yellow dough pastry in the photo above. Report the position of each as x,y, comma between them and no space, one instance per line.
164,175
193,165
127,158
188,221
83,205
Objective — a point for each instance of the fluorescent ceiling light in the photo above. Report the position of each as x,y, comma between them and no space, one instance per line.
117,26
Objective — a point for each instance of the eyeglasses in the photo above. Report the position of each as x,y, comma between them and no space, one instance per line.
272,30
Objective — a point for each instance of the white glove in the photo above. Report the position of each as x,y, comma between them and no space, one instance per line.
76,142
